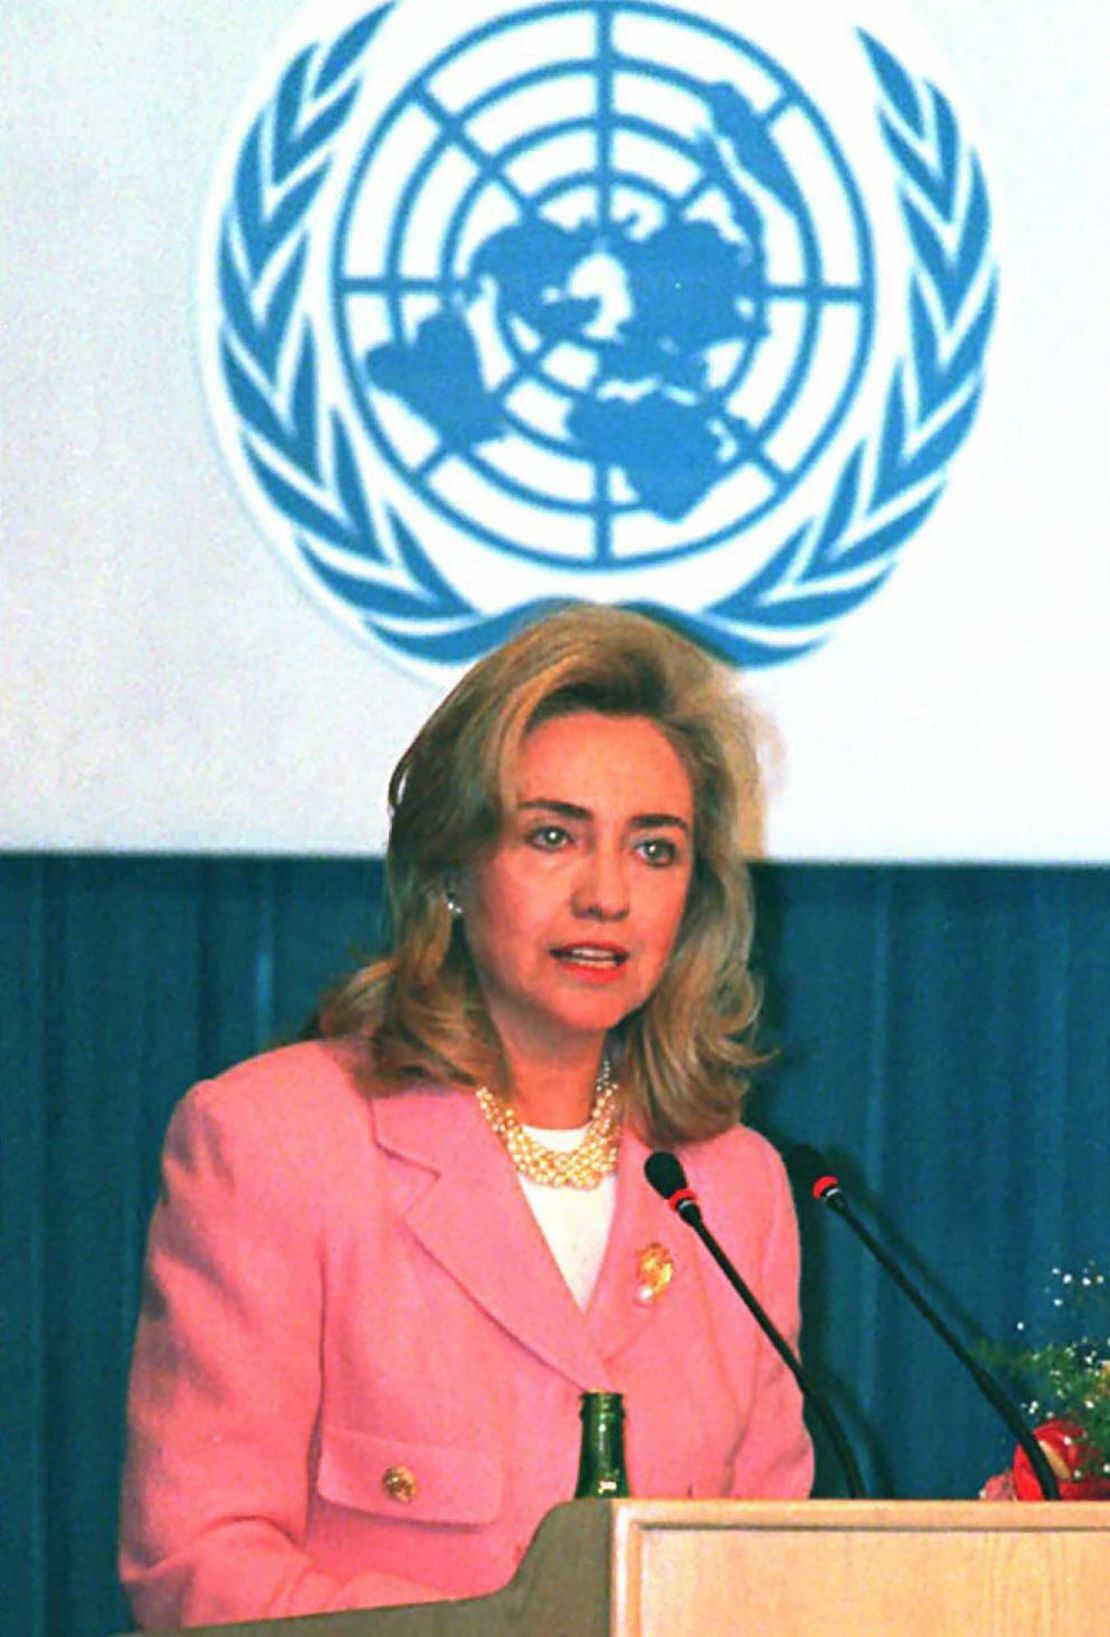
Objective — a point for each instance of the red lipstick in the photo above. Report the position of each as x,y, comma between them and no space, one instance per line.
593,961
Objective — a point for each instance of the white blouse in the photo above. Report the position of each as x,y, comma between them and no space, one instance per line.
574,1221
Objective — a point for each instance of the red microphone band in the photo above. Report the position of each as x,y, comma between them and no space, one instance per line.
680,1196
825,1185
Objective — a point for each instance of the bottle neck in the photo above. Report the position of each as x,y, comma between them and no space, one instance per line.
601,1470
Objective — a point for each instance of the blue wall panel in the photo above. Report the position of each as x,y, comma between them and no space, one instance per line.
944,1032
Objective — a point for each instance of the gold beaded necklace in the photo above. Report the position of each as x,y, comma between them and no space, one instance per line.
584,1166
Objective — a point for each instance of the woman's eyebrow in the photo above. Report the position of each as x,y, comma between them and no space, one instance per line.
565,809
660,821
638,821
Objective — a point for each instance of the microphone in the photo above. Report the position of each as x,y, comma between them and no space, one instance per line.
665,1174
812,1172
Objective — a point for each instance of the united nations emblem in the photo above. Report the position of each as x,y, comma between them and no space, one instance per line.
598,299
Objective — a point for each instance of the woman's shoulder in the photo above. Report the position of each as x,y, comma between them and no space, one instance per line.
315,1099
293,1143
306,1100
740,1143
288,1081
737,1158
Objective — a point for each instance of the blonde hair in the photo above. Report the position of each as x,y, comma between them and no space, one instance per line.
683,1058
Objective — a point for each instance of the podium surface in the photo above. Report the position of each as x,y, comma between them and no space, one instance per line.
787,1568
896,1568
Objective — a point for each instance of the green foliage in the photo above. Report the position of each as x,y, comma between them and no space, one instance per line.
1071,1379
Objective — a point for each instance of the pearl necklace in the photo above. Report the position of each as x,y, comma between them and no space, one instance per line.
584,1166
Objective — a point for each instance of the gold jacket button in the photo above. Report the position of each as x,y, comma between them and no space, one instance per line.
399,1483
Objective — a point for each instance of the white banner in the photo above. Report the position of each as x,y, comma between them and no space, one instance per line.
339,337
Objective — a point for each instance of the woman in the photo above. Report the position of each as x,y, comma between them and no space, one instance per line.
386,1264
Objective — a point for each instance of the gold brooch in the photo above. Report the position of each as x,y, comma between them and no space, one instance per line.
654,1272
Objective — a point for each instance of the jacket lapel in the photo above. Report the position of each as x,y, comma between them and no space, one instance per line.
470,1214
618,1312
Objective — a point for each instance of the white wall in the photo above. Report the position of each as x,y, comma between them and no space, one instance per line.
166,685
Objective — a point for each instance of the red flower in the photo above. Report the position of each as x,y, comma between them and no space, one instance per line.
1068,1453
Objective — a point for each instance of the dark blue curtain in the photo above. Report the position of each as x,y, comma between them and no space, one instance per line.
943,1033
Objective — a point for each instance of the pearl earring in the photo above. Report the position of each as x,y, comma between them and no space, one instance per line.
451,900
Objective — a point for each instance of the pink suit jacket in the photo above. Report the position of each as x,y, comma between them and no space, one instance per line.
338,1286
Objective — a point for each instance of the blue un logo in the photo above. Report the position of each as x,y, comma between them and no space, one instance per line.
605,307
595,299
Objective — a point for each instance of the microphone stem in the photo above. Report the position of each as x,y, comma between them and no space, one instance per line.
1050,1489
809,1392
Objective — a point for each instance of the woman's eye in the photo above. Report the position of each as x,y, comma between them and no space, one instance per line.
658,850
548,837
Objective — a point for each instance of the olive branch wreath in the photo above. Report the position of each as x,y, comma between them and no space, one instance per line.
303,459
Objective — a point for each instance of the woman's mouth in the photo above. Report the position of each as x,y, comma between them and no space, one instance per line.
598,961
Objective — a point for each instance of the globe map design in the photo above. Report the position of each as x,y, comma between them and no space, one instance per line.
604,318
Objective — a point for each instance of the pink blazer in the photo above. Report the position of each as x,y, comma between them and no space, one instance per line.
341,1288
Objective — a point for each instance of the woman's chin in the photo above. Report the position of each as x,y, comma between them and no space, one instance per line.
591,1014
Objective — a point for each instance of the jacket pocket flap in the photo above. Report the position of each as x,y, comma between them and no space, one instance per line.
415,1483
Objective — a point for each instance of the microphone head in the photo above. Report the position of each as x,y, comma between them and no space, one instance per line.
664,1171
811,1171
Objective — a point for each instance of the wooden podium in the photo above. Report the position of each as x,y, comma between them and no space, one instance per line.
788,1568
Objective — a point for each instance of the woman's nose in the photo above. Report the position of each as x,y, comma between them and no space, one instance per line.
601,888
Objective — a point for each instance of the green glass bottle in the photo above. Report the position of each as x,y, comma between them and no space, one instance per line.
601,1472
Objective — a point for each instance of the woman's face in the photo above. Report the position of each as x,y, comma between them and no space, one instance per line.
572,913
